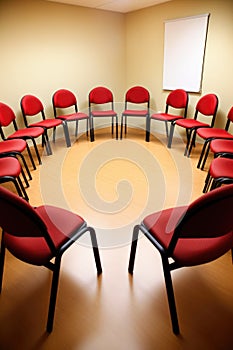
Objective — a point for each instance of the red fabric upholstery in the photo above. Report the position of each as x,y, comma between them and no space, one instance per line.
31,105
207,133
204,229
107,113
166,117
13,145
191,123
221,167
63,98
221,146
9,166
60,225
6,115
207,104
27,133
100,95
134,112
47,123
137,94
73,116
177,98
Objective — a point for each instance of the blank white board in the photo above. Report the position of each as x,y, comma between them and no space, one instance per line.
184,51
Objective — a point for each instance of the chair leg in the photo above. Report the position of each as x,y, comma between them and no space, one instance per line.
122,120
202,155
2,259
53,294
92,134
171,135
36,150
66,133
47,143
31,158
87,128
207,183
54,134
206,156
116,128
148,129
166,127
133,249
76,128
170,295
22,189
25,165
95,250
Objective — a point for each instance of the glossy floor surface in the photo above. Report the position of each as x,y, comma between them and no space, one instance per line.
113,185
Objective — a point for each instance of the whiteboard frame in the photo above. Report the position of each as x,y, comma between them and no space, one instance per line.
184,52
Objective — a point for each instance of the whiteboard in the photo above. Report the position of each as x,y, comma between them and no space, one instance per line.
184,51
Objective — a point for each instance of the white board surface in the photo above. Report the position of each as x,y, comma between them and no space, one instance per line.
184,51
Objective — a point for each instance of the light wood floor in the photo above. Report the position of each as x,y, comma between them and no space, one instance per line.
113,185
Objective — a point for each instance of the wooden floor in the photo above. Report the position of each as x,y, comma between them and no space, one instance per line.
113,185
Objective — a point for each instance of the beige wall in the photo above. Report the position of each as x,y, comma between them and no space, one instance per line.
46,46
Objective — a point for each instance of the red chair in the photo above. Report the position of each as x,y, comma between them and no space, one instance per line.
137,104
63,100
97,97
10,170
206,107
40,236
208,135
15,148
8,118
220,172
176,100
188,236
31,106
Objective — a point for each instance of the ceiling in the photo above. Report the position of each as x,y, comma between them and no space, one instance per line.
122,6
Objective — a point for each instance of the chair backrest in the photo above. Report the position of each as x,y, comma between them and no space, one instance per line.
18,218
209,216
64,98
137,94
177,99
7,116
229,118
31,106
207,105
100,95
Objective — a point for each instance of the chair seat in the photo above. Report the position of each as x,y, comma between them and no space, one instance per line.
221,146
109,113
47,123
9,166
73,116
207,133
165,117
135,112
188,252
27,132
221,167
191,123
60,225
18,145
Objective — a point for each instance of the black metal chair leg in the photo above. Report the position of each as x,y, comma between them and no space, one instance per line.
148,129
202,155
171,135
133,249
95,250
206,156
31,158
170,295
36,150
53,294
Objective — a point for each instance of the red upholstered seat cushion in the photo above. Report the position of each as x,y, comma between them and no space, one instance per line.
9,166
188,251
165,116
73,116
135,112
60,226
27,132
221,167
47,123
220,145
104,113
207,133
190,123
12,145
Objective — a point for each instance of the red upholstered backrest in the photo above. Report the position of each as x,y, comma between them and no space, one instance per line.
6,115
100,95
18,217
207,104
177,98
31,105
64,98
137,94
230,114
209,216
